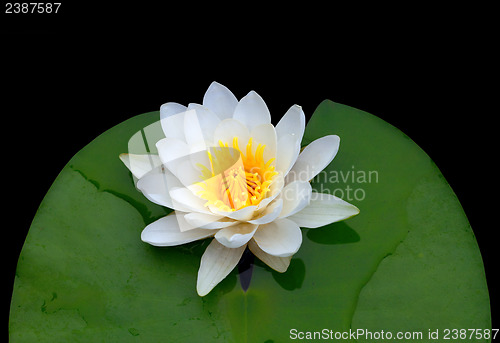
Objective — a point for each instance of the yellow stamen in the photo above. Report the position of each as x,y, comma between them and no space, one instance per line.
235,180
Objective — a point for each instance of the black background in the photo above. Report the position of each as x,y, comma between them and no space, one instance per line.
69,77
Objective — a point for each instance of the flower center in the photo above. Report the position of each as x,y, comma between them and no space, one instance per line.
236,179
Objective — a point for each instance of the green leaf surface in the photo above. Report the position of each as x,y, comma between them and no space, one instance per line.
408,262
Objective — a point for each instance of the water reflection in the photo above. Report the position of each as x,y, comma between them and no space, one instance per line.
294,277
245,269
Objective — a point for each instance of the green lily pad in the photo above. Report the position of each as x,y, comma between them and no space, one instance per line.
408,262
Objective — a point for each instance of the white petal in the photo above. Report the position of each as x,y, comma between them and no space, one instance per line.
252,111
288,150
230,128
220,100
280,238
243,214
292,123
314,158
187,172
208,221
276,186
200,125
270,213
236,236
322,210
264,134
216,263
193,132
155,185
280,264
172,120
139,165
184,197
171,149
166,232
199,219
175,155
296,195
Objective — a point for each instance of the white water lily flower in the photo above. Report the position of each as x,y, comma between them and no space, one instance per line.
228,173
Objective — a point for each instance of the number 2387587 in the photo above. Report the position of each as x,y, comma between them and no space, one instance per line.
32,7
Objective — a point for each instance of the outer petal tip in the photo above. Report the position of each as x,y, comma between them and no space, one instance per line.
280,264
314,158
252,110
216,263
324,209
167,231
214,84
220,100
355,211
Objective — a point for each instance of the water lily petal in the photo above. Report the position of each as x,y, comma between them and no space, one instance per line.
171,149
292,123
281,237
243,214
172,120
265,134
237,235
270,213
322,210
220,100
155,185
208,221
139,165
199,126
216,263
184,197
228,129
176,156
187,173
296,195
276,186
314,158
166,232
288,150
193,132
252,111
280,264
